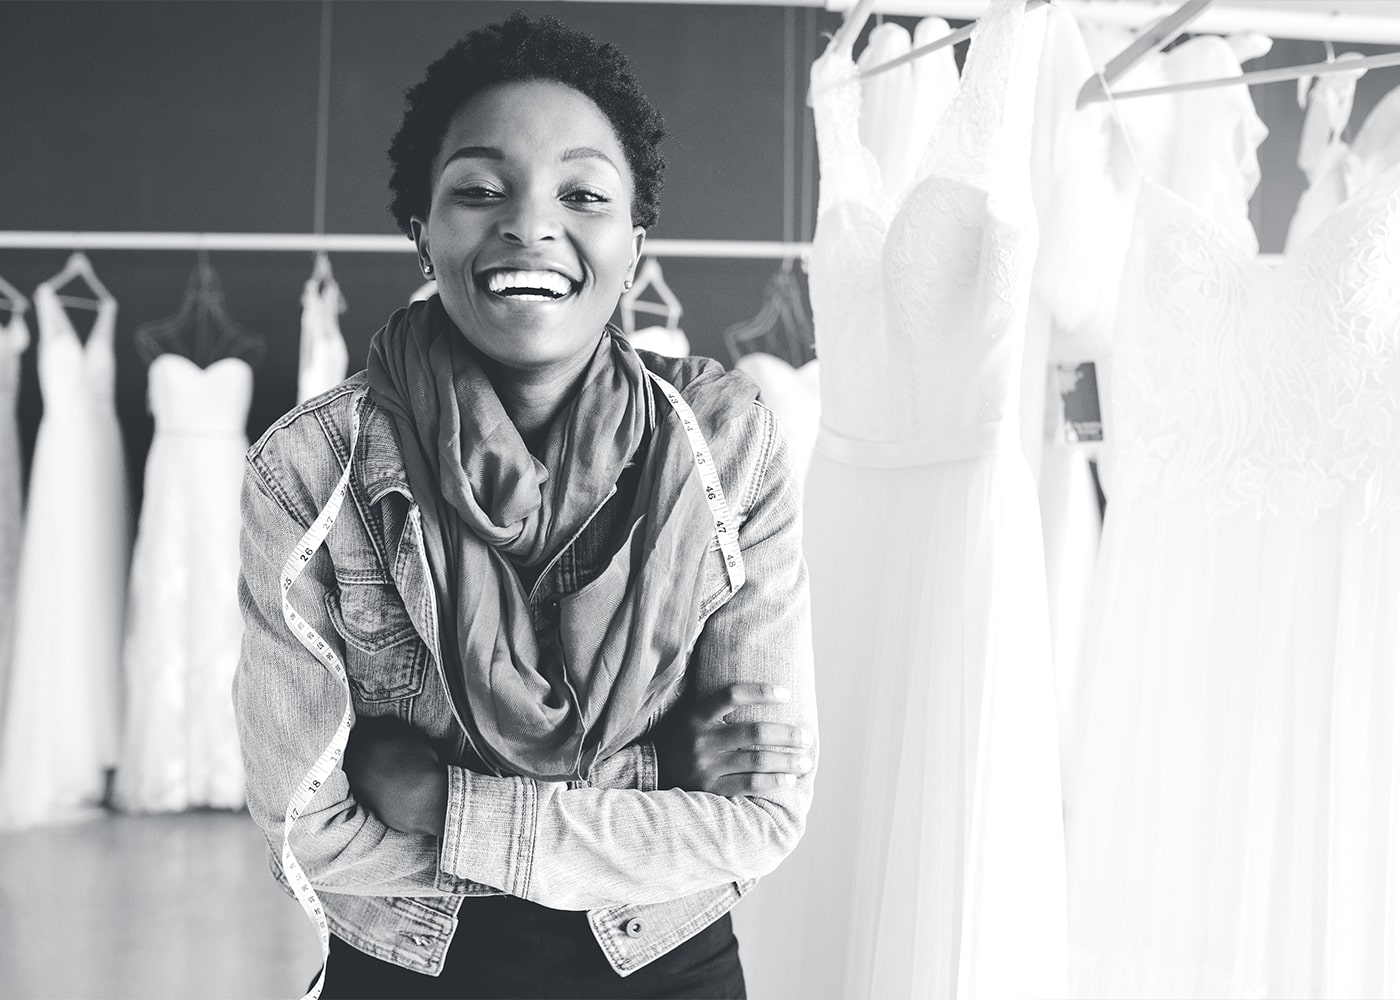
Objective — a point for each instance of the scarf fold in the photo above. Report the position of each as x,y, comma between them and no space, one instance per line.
488,506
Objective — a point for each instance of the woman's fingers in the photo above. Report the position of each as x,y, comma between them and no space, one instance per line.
714,708
752,784
760,736
766,762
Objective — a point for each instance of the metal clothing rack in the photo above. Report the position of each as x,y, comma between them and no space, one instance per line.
351,243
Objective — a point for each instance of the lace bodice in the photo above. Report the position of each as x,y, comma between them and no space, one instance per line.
1267,388
188,399
74,374
919,295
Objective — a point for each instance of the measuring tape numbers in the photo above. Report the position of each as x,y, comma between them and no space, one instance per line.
709,477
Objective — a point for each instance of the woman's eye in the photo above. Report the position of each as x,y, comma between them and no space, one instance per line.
477,192
584,196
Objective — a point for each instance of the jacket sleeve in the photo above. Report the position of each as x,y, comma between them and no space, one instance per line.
582,848
288,704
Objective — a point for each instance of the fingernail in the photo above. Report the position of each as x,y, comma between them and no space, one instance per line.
780,692
787,779
805,738
805,763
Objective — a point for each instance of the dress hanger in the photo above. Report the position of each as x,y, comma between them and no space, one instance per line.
952,38
1154,38
11,299
782,327
202,330
1258,76
859,13
650,276
78,266
1159,35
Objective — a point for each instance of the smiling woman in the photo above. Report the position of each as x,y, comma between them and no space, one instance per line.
564,619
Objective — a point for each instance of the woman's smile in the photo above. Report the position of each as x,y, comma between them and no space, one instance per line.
530,227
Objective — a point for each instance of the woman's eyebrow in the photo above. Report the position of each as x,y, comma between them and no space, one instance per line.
476,153
588,153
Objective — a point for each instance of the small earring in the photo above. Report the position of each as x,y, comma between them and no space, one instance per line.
626,285
427,270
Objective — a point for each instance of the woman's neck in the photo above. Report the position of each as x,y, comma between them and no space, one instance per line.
532,398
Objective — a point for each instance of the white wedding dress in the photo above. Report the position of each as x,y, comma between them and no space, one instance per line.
14,338
184,627
60,729
933,860
1235,824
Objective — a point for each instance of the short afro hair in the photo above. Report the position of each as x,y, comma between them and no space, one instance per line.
521,48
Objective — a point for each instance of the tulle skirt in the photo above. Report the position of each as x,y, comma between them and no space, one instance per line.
184,630
1234,796
60,729
933,862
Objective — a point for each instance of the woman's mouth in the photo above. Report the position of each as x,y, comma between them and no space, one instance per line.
526,286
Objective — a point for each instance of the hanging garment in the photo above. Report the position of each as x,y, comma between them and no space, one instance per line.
1336,170
932,864
899,107
661,340
1234,827
59,734
184,628
14,338
794,396
1169,131
324,358
1083,221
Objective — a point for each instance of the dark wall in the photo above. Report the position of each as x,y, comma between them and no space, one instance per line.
202,116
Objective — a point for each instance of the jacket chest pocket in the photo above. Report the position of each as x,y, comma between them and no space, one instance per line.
384,658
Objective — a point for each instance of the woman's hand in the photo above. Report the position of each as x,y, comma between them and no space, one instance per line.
700,752
395,773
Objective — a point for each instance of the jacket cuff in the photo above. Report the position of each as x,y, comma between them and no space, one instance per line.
489,836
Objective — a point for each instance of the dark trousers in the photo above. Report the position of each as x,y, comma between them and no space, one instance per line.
507,947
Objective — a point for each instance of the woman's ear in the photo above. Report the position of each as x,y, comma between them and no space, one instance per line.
639,236
419,228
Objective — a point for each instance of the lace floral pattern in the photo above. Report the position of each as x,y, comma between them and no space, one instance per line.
919,295
1270,389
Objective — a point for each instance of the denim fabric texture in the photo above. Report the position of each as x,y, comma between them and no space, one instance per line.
650,867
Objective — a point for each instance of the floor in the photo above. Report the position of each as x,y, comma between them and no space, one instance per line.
148,906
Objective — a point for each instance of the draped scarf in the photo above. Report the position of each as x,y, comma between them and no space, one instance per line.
488,506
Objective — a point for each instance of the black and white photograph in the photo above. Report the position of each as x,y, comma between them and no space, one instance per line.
686,499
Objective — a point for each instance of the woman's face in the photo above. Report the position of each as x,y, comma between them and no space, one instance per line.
530,228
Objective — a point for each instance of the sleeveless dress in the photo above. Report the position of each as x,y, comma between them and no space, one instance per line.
60,730
14,338
1235,823
184,627
933,859
323,357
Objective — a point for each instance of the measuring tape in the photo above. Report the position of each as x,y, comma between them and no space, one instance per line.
709,476
308,545
330,757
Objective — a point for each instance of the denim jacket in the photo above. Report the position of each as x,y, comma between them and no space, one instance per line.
652,867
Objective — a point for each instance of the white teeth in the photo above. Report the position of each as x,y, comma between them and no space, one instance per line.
529,285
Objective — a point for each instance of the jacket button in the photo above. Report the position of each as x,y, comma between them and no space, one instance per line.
634,928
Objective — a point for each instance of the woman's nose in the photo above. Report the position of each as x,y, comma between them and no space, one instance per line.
527,221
